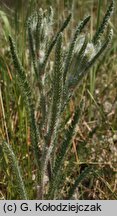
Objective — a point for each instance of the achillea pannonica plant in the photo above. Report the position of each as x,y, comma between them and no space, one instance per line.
57,81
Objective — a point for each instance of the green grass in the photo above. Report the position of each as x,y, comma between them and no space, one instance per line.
95,139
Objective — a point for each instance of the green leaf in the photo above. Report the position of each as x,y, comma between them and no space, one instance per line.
79,179
73,44
27,96
7,149
104,23
60,157
53,42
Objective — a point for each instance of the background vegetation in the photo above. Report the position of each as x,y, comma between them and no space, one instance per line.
96,139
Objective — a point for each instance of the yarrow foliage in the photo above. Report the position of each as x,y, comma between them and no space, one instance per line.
57,81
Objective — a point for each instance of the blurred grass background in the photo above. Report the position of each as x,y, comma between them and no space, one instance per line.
96,140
